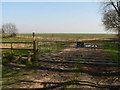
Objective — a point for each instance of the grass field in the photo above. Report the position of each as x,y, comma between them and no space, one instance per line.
70,35
16,39
62,36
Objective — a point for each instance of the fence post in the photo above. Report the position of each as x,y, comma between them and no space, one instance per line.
11,49
35,49
29,56
33,36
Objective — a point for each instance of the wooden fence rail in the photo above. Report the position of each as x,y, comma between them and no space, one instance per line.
17,48
78,41
35,50
17,42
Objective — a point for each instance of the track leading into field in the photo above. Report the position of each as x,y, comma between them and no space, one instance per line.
55,75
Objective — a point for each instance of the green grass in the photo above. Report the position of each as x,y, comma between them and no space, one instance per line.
112,48
54,46
69,35
17,39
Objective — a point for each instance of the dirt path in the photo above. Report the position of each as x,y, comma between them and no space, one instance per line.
55,75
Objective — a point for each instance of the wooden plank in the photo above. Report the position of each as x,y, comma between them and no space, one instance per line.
99,42
78,41
59,41
18,42
5,48
21,49
16,49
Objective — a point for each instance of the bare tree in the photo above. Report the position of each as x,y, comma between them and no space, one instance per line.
9,29
110,20
111,15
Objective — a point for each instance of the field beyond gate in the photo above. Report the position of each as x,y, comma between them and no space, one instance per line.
69,64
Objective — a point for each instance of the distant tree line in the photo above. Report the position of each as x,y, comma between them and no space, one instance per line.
9,30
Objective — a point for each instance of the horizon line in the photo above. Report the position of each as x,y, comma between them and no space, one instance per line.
65,33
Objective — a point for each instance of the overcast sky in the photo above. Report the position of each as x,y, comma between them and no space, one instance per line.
54,17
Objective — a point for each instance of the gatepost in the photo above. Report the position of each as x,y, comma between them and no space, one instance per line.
35,48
